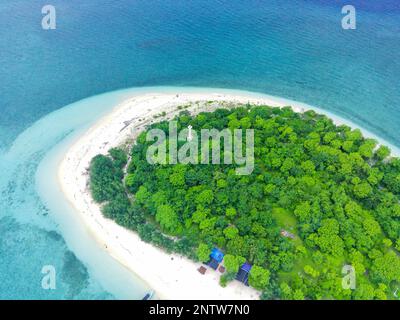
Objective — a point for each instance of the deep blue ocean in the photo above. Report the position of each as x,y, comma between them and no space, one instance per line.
292,49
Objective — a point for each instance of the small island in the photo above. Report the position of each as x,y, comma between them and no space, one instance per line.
321,201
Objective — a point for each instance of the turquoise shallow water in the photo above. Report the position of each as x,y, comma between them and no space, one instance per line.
293,49
38,225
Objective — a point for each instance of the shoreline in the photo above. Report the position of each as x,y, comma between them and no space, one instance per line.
178,277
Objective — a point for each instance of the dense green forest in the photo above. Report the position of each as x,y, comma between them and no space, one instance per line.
335,192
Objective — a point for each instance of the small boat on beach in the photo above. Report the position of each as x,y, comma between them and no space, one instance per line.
148,295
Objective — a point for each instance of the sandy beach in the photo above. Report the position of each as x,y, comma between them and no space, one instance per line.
171,276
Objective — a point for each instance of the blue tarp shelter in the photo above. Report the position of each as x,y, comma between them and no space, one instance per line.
216,258
243,274
217,255
246,267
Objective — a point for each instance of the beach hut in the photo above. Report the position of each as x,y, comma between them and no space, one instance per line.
243,274
216,258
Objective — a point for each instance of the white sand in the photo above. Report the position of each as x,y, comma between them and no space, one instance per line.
171,276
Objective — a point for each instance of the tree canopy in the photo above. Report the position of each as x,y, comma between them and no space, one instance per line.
320,197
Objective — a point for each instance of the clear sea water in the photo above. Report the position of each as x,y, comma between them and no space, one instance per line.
293,49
